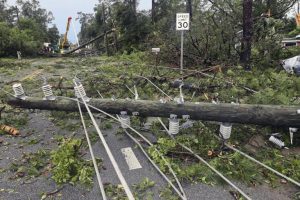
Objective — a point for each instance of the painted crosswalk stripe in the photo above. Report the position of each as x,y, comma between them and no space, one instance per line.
131,159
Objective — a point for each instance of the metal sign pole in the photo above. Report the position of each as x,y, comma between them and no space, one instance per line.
182,24
181,56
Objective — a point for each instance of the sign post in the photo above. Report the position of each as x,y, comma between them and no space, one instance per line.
182,24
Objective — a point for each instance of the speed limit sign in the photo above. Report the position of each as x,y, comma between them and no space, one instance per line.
182,21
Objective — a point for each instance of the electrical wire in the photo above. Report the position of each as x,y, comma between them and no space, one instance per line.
208,75
247,156
129,89
154,86
7,92
100,94
92,154
207,164
140,135
150,160
153,163
108,151
259,163
204,74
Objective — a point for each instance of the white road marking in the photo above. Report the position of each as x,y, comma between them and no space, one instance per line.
131,159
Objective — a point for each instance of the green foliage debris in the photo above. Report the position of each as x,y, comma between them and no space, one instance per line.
68,166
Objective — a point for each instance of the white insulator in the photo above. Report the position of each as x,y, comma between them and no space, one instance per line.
47,90
80,92
277,141
188,123
294,130
214,102
225,130
19,91
173,125
125,120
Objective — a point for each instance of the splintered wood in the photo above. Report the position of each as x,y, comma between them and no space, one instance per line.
10,130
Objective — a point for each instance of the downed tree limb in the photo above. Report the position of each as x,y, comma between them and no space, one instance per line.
216,68
286,116
192,87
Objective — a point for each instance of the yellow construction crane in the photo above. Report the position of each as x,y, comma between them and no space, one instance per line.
298,15
65,45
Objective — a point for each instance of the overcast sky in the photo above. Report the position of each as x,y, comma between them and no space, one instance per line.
62,9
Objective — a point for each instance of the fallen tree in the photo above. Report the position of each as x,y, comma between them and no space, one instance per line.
285,116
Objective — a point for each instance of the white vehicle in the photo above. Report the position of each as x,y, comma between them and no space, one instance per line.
292,65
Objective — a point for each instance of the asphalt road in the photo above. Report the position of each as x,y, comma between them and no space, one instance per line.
45,131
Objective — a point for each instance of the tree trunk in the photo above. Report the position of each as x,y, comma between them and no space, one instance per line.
272,6
134,3
247,34
189,6
153,11
285,116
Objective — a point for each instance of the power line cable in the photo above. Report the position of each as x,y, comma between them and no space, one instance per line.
140,135
206,163
92,154
107,149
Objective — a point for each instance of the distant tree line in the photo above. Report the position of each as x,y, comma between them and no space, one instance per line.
25,27
234,31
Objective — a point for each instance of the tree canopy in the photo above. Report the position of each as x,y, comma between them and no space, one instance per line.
218,32
222,31
25,27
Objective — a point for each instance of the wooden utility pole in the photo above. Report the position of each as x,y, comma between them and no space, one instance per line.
281,116
247,34
89,42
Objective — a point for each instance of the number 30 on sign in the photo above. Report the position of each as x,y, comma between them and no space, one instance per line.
182,21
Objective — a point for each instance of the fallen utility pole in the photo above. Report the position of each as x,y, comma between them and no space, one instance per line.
284,116
89,42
